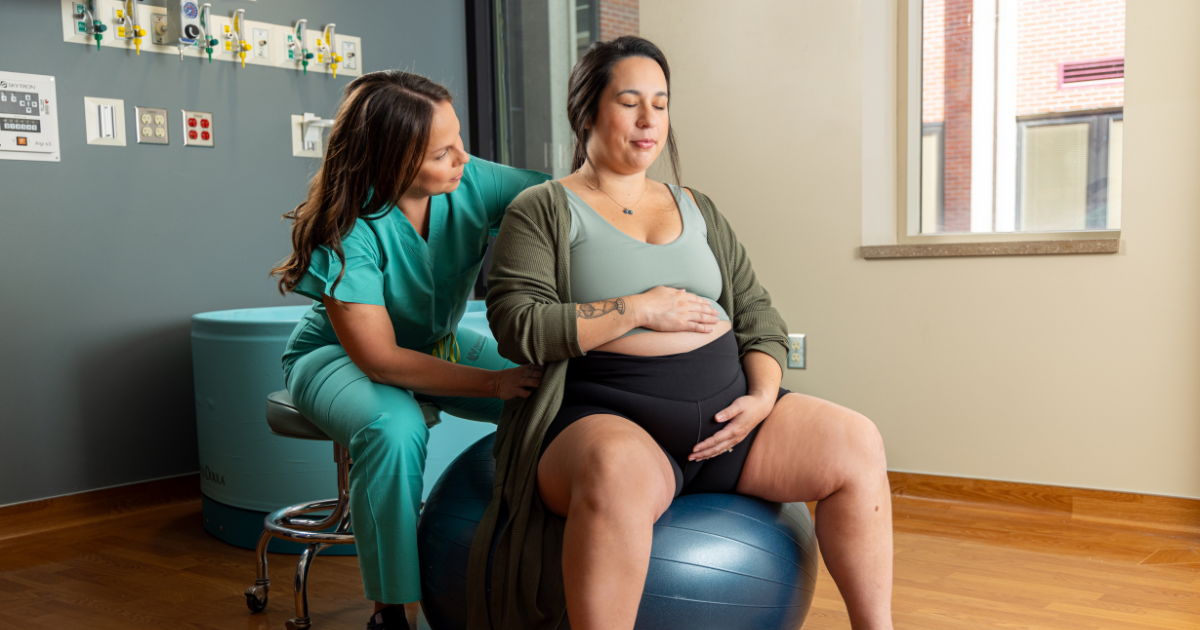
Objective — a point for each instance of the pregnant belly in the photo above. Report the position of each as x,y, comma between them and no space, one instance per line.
654,343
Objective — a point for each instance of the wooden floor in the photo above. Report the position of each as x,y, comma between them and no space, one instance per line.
958,565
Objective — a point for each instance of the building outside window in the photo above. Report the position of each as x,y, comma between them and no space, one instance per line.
1021,111
538,42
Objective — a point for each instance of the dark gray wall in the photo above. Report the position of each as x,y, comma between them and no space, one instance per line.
105,255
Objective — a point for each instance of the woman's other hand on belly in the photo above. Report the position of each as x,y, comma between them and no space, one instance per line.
740,418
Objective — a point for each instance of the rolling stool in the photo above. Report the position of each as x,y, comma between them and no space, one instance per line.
285,420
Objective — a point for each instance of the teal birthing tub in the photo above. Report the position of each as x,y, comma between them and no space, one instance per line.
245,470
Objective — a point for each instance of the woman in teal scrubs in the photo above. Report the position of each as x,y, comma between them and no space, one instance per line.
389,242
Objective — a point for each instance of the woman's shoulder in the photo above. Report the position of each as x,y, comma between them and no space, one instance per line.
696,195
543,197
691,192
708,210
540,208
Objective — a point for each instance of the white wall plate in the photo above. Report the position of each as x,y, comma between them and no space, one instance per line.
104,121
300,148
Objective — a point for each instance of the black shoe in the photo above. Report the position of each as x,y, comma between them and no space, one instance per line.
390,618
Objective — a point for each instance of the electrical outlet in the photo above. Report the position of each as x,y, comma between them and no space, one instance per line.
151,125
197,129
796,353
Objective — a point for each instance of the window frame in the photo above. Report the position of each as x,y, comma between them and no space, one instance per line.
938,130
909,132
481,100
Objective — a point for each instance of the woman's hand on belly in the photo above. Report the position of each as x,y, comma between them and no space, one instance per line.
670,311
654,343
673,310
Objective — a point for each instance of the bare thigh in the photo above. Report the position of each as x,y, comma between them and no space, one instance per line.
808,448
605,455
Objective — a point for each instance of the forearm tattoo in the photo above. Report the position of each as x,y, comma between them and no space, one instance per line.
601,308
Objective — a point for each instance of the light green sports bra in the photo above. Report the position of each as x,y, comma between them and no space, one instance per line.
608,263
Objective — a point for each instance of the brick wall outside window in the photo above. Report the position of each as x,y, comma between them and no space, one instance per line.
933,61
1049,33
617,18
946,79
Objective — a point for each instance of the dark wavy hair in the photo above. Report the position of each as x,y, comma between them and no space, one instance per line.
374,153
592,74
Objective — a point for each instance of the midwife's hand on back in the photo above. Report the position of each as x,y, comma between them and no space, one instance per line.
673,310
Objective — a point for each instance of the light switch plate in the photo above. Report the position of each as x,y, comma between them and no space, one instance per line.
197,128
151,125
104,121
797,352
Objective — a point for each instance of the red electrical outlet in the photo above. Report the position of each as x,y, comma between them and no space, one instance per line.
203,120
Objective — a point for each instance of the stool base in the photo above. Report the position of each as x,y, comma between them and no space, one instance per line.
287,524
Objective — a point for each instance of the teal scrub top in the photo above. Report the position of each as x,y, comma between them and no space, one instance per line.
423,284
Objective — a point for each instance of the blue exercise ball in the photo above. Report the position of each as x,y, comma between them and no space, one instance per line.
718,560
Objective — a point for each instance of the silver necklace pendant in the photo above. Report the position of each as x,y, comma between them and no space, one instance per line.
628,211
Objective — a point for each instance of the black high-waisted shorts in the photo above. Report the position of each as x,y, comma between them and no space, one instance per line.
675,398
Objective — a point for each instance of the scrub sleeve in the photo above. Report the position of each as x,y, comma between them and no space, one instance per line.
424,285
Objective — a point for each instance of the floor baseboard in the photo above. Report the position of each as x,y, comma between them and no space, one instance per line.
1078,504
35,517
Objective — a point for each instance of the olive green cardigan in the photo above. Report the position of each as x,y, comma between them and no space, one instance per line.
530,311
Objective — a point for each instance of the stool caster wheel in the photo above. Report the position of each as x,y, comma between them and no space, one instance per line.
298,623
256,598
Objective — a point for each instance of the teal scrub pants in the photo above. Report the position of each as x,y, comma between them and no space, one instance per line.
384,430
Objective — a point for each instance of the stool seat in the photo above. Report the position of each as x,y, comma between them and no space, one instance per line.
287,421
284,419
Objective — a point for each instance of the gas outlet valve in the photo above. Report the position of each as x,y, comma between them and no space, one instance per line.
235,37
326,52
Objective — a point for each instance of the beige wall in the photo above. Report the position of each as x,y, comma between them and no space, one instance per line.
1070,370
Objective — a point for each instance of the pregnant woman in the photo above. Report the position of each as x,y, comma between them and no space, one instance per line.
389,242
663,361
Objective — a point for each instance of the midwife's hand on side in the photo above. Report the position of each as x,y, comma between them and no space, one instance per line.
518,382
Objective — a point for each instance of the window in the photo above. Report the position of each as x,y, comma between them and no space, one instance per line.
538,42
519,58
1065,179
1021,116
